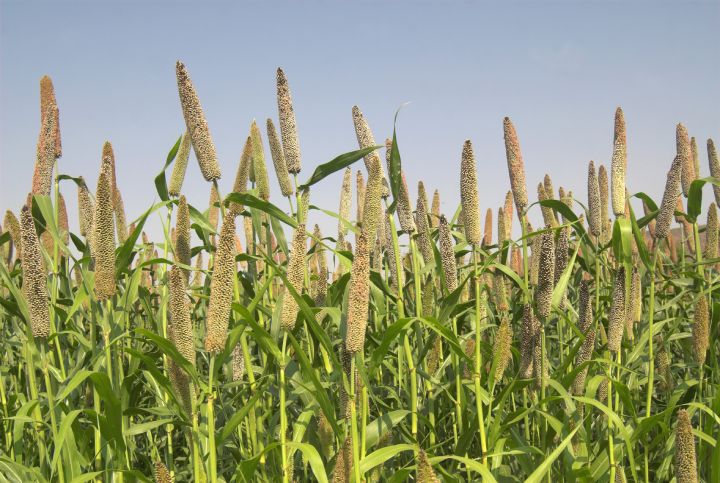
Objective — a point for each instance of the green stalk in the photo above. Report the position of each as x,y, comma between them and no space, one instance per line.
283,414
353,423
413,386
51,402
212,454
32,386
651,361
478,360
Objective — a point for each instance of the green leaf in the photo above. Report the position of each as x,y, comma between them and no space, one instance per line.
538,475
382,425
252,201
561,287
340,162
160,181
694,203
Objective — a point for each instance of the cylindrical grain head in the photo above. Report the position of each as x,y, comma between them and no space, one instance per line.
221,287
103,239
45,158
358,297
714,167
213,207
34,285
684,152
516,167
617,179
238,364
711,232
345,202
12,226
197,125
695,157
604,193
685,462
278,157
548,185
547,213
288,127
635,302
701,330
85,208
501,349
198,277
242,176
508,213
372,211
120,222
258,159
562,245
594,211
667,207
162,475
435,210
527,341
366,139
180,329
63,220
404,207
546,275
360,195
423,227
447,255
182,237
501,228
108,155
295,277
469,194
616,319
180,166
48,106
425,472
487,237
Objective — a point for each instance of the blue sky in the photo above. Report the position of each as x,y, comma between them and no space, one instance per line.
558,69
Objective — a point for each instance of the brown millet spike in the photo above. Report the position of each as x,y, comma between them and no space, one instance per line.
12,225
34,285
197,125
423,227
684,152
487,237
469,194
63,220
104,236
617,179
360,195
258,159
45,158
546,275
181,326
345,202
604,193
242,176
616,319
120,222
162,475
48,101
516,167
695,156
527,341
288,126
366,139
404,208
425,472
685,461
180,166
213,209
508,212
714,167
278,158
295,277
182,238
503,342
85,208
594,210
372,210
711,232
358,297
221,287
435,210
447,255
667,207
701,330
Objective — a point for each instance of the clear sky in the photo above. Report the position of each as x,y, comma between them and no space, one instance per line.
558,69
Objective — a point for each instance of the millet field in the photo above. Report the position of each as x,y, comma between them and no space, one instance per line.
407,345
